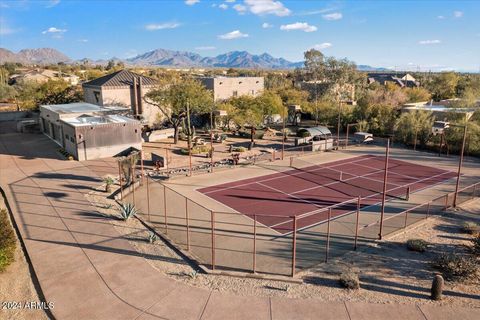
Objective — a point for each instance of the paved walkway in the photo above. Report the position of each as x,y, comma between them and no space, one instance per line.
90,272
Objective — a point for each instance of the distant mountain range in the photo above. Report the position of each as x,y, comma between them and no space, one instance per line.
164,57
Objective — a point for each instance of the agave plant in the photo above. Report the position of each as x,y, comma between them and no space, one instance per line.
152,237
128,210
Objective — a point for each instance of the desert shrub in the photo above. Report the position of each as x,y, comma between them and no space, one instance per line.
303,133
455,266
476,244
417,245
349,280
127,210
7,241
197,150
239,149
470,227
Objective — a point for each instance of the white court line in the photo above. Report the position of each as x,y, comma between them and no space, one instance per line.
316,166
399,174
350,212
340,181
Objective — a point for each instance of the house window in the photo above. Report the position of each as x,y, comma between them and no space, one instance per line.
71,139
66,136
97,96
235,93
253,92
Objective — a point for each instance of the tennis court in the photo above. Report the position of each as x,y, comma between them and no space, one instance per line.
307,191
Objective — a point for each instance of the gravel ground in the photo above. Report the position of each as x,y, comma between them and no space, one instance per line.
389,273
16,286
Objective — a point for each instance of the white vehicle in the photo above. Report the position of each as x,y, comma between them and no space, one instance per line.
363,137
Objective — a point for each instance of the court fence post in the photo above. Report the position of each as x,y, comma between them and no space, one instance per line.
141,164
294,245
187,223
273,155
406,218
120,182
356,224
291,162
212,218
328,234
254,267
407,196
165,207
446,202
428,210
133,184
166,158
148,199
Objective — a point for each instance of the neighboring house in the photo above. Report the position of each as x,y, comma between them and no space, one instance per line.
123,88
88,131
227,87
43,75
405,80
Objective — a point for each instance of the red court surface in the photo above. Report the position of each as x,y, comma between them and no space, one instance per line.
308,192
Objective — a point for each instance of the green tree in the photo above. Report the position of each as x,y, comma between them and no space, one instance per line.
27,94
7,92
414,125
417,94
444,85
172,101
268,103
58,92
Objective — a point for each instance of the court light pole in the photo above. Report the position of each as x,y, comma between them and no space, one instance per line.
283,133
384,193
338,124
460,163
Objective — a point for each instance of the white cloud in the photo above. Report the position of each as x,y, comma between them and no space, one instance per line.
303,26
191,2
314,12
323,45
424,42
457,14
230,1
236,34
205,48
264,7
332,16
83,40
4,28
441,17
161,26
54,30
223,6
52,3
241,9
266,25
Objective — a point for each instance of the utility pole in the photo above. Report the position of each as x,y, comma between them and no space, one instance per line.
189,138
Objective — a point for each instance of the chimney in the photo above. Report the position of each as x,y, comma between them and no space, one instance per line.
140,95
135,98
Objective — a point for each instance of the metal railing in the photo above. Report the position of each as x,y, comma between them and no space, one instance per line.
272,244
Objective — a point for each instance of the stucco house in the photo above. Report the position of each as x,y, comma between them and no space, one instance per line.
227,87
123,88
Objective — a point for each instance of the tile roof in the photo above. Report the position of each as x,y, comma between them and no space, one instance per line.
122,78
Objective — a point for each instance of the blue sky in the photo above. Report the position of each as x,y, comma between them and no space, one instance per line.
424,35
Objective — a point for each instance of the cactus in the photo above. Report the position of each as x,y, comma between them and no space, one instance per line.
437,287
